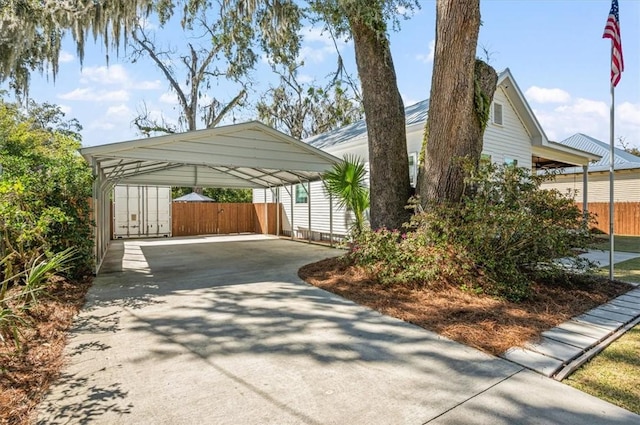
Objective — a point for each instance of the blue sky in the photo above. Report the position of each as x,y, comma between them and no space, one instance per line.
554,48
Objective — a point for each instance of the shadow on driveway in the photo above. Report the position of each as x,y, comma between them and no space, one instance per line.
226,333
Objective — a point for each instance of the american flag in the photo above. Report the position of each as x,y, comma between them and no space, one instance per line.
612,31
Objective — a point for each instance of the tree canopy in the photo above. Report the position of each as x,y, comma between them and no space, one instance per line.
31,31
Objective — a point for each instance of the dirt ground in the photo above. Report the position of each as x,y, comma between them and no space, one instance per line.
27,371
481,321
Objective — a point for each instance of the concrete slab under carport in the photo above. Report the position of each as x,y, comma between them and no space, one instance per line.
220,330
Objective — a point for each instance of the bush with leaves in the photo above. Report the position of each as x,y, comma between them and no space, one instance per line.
504,234
410,258
45,188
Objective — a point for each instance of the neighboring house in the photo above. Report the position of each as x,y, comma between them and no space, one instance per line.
513,136
626,173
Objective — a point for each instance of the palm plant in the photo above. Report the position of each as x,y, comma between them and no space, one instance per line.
347,182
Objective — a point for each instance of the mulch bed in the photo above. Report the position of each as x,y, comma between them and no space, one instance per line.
489,324
26,372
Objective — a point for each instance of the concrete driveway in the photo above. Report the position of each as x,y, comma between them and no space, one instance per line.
220,330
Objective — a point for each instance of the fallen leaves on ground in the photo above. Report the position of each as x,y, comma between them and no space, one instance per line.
478,320
27,372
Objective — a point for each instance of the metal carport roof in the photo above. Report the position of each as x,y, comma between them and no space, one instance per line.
248,155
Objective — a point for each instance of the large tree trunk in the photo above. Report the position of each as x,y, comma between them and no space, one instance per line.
384,114
461,93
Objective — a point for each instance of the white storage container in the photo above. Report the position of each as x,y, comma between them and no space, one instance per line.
141,211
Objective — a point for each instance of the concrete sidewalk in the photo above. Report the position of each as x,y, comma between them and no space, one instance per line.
567,346
220,330
601,258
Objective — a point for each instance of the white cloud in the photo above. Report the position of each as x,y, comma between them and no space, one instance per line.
542,95
89,94
147,85
305,78
585,107
146,24
429,56
629,114
65,57
114,74
590,117
121,111
66,109
101,125
169,98
318,45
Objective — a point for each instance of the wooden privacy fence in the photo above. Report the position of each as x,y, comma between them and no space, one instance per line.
626,216
206,218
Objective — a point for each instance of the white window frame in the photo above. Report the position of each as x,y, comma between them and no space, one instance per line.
301,187
494,115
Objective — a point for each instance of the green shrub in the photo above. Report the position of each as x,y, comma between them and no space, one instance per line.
45,188
410,258
505,233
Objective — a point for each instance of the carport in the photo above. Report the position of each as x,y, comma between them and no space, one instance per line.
249,155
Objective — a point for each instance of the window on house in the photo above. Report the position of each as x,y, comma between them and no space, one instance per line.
413,168
510,161
497,113
302,193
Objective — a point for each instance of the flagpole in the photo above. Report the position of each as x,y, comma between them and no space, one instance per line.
611,180
612,31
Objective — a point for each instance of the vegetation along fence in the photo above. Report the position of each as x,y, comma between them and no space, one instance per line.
626,217
202,218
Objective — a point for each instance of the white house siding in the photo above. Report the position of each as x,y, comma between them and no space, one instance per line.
320,211
626,186
509,140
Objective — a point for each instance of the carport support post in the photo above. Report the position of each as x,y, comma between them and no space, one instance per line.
278,211
309,208
292,195
330,220
585,195
266,214
94,206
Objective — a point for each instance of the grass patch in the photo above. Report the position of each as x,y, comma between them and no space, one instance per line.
626,271
614,374
622,243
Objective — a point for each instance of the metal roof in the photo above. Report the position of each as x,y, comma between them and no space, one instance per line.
246,155
193,197
414,114
622,160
